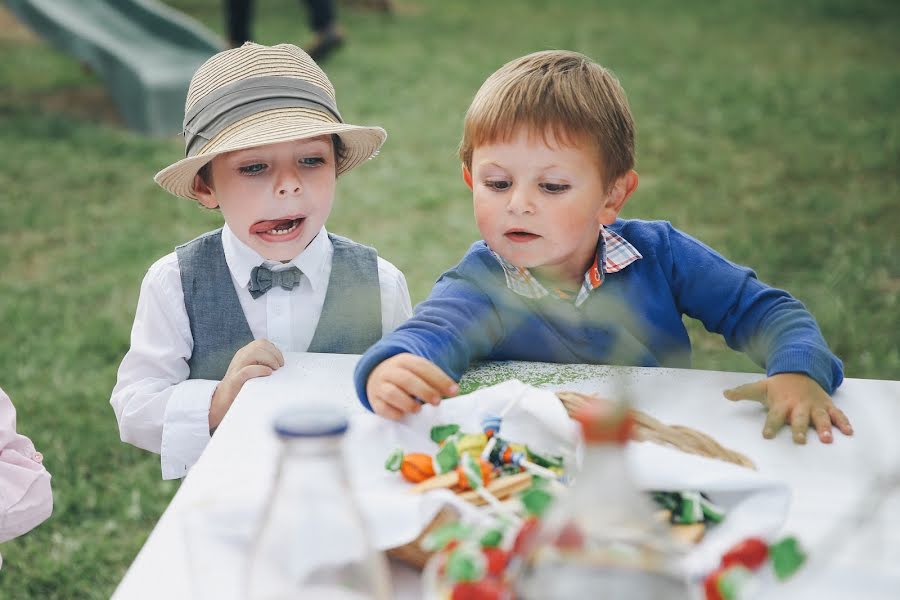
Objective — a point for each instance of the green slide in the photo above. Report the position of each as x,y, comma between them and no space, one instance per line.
144,50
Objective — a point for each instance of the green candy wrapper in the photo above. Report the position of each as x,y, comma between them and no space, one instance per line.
472,471
536,500
394,460
491,538
787,557
465,563
439,433
446,459
440,537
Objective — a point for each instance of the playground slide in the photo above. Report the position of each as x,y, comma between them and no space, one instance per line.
144,51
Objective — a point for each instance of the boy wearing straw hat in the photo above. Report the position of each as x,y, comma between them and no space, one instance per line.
264,143
548,152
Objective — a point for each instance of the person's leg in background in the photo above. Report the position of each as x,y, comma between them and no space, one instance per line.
323,22
238,16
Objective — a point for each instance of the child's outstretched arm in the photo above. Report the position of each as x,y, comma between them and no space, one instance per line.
795,399
423,358
772,327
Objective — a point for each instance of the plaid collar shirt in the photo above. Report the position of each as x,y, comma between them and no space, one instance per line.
613,252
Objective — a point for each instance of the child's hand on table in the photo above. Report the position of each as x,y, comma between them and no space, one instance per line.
259,358
795,399
403,382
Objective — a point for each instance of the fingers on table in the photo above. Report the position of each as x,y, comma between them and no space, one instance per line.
800,423
840,419
252,372
775,420
821,420
274,351
266,353
749,391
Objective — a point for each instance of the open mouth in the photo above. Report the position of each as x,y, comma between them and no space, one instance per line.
520,236
276,227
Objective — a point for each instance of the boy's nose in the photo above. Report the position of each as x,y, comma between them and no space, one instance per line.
520,202
289,185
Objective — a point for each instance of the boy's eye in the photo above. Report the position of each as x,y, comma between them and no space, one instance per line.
498,186
312,161
554,188
254,169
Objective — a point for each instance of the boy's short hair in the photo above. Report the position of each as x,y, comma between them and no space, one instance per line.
555,91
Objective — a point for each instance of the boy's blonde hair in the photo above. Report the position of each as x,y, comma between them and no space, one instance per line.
555,91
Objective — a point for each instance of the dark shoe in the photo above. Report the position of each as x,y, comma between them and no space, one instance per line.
325,46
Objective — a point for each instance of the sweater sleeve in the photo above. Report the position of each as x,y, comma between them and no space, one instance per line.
767,323
456,325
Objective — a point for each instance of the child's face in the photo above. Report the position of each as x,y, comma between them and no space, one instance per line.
275,198
540,204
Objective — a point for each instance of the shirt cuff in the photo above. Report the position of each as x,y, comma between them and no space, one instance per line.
185,426
824,368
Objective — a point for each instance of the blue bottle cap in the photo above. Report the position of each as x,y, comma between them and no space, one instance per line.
310,423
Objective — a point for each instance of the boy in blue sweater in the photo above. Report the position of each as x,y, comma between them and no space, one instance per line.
548,151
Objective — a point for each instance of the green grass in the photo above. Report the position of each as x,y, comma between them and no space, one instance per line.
770,130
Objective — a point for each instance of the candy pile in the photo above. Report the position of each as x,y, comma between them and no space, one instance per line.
472,563
735,572
483,467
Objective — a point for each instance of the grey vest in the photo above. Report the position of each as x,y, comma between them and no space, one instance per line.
351,315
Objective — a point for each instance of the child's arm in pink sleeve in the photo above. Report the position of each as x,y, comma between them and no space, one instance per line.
25,496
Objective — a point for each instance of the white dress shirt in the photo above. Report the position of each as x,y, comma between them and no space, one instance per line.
157,406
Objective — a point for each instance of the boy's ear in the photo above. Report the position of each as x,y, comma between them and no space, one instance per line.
467,176
204,193
621,189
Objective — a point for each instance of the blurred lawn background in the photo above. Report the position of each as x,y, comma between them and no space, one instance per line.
768,129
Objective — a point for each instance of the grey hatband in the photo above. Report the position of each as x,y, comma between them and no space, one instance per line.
231,103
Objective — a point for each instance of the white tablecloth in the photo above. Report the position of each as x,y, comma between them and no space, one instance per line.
828,482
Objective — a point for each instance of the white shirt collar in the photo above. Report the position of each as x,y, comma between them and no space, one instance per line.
241,258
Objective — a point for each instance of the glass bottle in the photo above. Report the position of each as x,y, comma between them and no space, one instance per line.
601,539
312,542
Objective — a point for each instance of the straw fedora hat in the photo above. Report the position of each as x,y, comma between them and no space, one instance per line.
256,95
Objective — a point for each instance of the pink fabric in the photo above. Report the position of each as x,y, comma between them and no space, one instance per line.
25,496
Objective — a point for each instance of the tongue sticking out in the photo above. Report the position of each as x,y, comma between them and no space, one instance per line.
276,224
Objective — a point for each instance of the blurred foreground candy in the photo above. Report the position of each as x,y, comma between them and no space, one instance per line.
750,553
787,557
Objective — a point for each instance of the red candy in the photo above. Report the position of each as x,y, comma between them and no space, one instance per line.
486,589
750,553
496,560
526,535
711,584
570,538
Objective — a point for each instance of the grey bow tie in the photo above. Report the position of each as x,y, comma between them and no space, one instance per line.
262,279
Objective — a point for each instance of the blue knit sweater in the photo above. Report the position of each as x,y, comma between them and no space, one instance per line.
634,318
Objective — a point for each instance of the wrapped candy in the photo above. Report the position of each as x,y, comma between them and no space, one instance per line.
734,574
415,467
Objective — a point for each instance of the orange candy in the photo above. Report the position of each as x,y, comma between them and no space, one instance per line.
487,473
416,467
